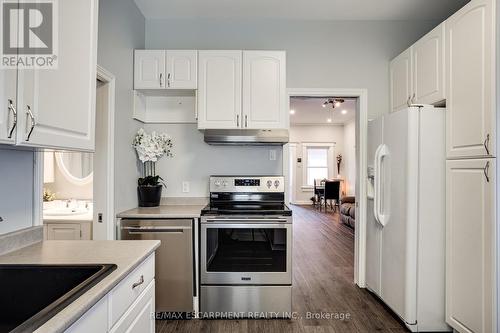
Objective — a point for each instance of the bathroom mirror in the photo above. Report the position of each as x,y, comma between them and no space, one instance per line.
76,167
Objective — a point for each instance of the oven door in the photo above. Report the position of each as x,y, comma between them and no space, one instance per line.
246,253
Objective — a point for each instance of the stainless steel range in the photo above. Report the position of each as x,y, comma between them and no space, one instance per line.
246,248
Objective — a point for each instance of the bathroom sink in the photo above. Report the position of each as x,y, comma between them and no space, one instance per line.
65,211
32,294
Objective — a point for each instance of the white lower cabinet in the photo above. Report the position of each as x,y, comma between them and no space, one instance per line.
139,318
128,307
470,245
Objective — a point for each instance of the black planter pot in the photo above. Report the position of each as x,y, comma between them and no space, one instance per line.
149,196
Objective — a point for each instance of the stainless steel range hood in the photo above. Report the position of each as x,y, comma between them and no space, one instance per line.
246,137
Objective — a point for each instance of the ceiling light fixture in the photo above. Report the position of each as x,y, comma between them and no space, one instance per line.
344,111
292,111
335,102
329,120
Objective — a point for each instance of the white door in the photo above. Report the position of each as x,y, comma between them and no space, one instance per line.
63,231
264,89
470,234
181,69
219,89
428,67
56,107
401,81
373,228
397,246
149,69
470,123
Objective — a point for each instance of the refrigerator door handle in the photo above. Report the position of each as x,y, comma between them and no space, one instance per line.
376,183
382,152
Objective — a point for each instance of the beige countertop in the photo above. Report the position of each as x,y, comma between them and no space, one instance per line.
163,212
125,254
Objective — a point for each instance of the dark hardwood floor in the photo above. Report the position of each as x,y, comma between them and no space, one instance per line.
323,257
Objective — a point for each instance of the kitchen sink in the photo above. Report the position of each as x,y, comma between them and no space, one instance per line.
32,294
65,211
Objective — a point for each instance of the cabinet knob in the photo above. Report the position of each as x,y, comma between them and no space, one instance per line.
237,120
161,80
168,80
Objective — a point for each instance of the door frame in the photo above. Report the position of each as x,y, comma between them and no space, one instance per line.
109,80
361,165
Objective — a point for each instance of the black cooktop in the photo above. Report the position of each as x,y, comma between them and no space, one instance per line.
250,208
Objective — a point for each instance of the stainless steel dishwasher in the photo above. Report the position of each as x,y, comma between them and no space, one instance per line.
174,264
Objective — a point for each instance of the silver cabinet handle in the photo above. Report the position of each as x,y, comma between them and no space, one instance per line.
168,80
32,120
246,121
486,171
237,120
161,80
413,99
138,283
14,117
408,101
486,144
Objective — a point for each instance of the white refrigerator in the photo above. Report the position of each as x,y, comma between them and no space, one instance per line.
406,215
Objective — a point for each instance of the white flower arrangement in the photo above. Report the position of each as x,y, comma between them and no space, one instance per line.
152,147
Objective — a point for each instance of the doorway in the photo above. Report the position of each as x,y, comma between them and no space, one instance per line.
359,96
78,187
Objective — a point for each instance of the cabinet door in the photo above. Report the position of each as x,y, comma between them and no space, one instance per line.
138,318
219,89
94,320
401,80
8,101
149,69
56,107
470,48
428,67
182,69
264,89
470,234
63,231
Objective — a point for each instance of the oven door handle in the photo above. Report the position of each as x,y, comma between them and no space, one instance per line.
242,221
225,225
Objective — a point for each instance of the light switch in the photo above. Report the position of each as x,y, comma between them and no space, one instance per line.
272,155
185,187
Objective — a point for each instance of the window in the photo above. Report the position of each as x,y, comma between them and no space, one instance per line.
317,164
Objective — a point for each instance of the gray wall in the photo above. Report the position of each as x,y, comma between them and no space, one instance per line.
16,189
349,54
194,161
121,30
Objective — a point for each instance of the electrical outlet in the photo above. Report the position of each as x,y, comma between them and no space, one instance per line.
272,155
185,187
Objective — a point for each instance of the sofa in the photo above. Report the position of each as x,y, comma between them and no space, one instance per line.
348,211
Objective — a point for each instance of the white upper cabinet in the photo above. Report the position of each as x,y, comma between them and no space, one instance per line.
470,50
160,69
219,89
8,105
470,249
149,69
264,89
56,107
181,69
428,67
417,74
401,80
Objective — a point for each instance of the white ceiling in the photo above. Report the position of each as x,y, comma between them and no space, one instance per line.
302,9
309,111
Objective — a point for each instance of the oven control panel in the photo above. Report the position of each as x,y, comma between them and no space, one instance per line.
247,184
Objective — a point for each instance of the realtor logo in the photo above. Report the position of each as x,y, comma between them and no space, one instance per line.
29,34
